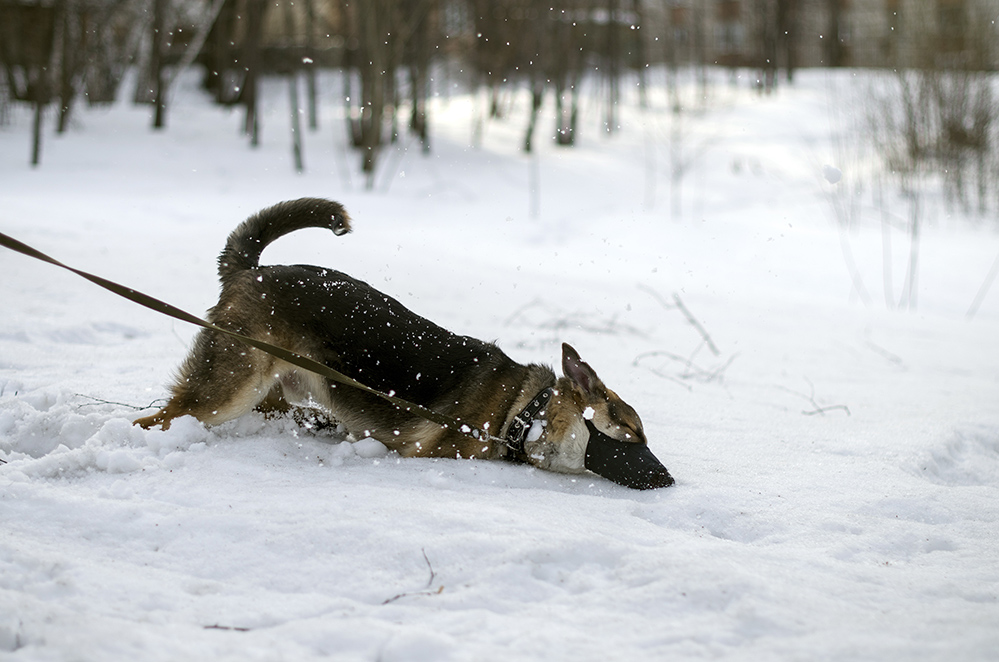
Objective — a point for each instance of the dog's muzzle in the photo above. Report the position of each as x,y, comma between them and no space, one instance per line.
626,463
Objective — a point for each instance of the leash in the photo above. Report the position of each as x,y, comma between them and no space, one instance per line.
446,422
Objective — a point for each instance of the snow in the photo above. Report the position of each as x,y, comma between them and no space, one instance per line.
832,174
537,428
837,463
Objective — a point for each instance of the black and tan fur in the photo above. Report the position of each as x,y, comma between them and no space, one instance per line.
355,329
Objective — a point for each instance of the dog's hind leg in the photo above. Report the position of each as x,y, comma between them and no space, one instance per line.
221,379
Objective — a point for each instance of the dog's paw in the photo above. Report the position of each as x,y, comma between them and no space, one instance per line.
147,422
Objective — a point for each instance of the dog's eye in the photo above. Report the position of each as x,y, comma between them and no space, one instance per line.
631,434
627,431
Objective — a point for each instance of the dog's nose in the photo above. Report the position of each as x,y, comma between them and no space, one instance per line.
626,463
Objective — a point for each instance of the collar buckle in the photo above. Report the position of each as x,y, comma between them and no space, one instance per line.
522,422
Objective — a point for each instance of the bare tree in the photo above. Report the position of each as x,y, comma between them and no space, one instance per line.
766,12
835,52
787,35
390,36
293,64
157,46
612,56
250,60
27,40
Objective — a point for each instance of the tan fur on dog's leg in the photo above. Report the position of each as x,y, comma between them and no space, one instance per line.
161,418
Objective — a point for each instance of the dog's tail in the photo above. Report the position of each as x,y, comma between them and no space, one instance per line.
246,243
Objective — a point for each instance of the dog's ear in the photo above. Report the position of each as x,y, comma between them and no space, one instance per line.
579,371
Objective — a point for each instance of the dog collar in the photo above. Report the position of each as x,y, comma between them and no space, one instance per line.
521,424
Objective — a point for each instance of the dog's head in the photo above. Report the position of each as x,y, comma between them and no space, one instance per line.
588,426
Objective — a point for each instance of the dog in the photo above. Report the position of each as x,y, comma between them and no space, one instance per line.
530,414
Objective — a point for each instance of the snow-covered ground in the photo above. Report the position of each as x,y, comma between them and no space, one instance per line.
837,463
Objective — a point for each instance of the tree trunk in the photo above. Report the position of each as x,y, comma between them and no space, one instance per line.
372,66
156,63
418,74
36,133
251,66
310,70
612,66
68,64
537,97
296,123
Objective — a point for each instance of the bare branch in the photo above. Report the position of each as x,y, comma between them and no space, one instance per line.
432,573
984,289
678,304
691,371
655,295
818,409
894,359
430,582
98,401
697,325
557,319
822,410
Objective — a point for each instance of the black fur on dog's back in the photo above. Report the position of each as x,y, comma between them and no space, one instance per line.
371,336
246,243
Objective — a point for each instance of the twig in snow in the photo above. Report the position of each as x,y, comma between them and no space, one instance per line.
851,266
519,313
818,409
660,373
894,359
697,325
692,370
173,329
655,295
430,567
559,320
226,627
984,289
679,305
822,410
430,583
98,401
